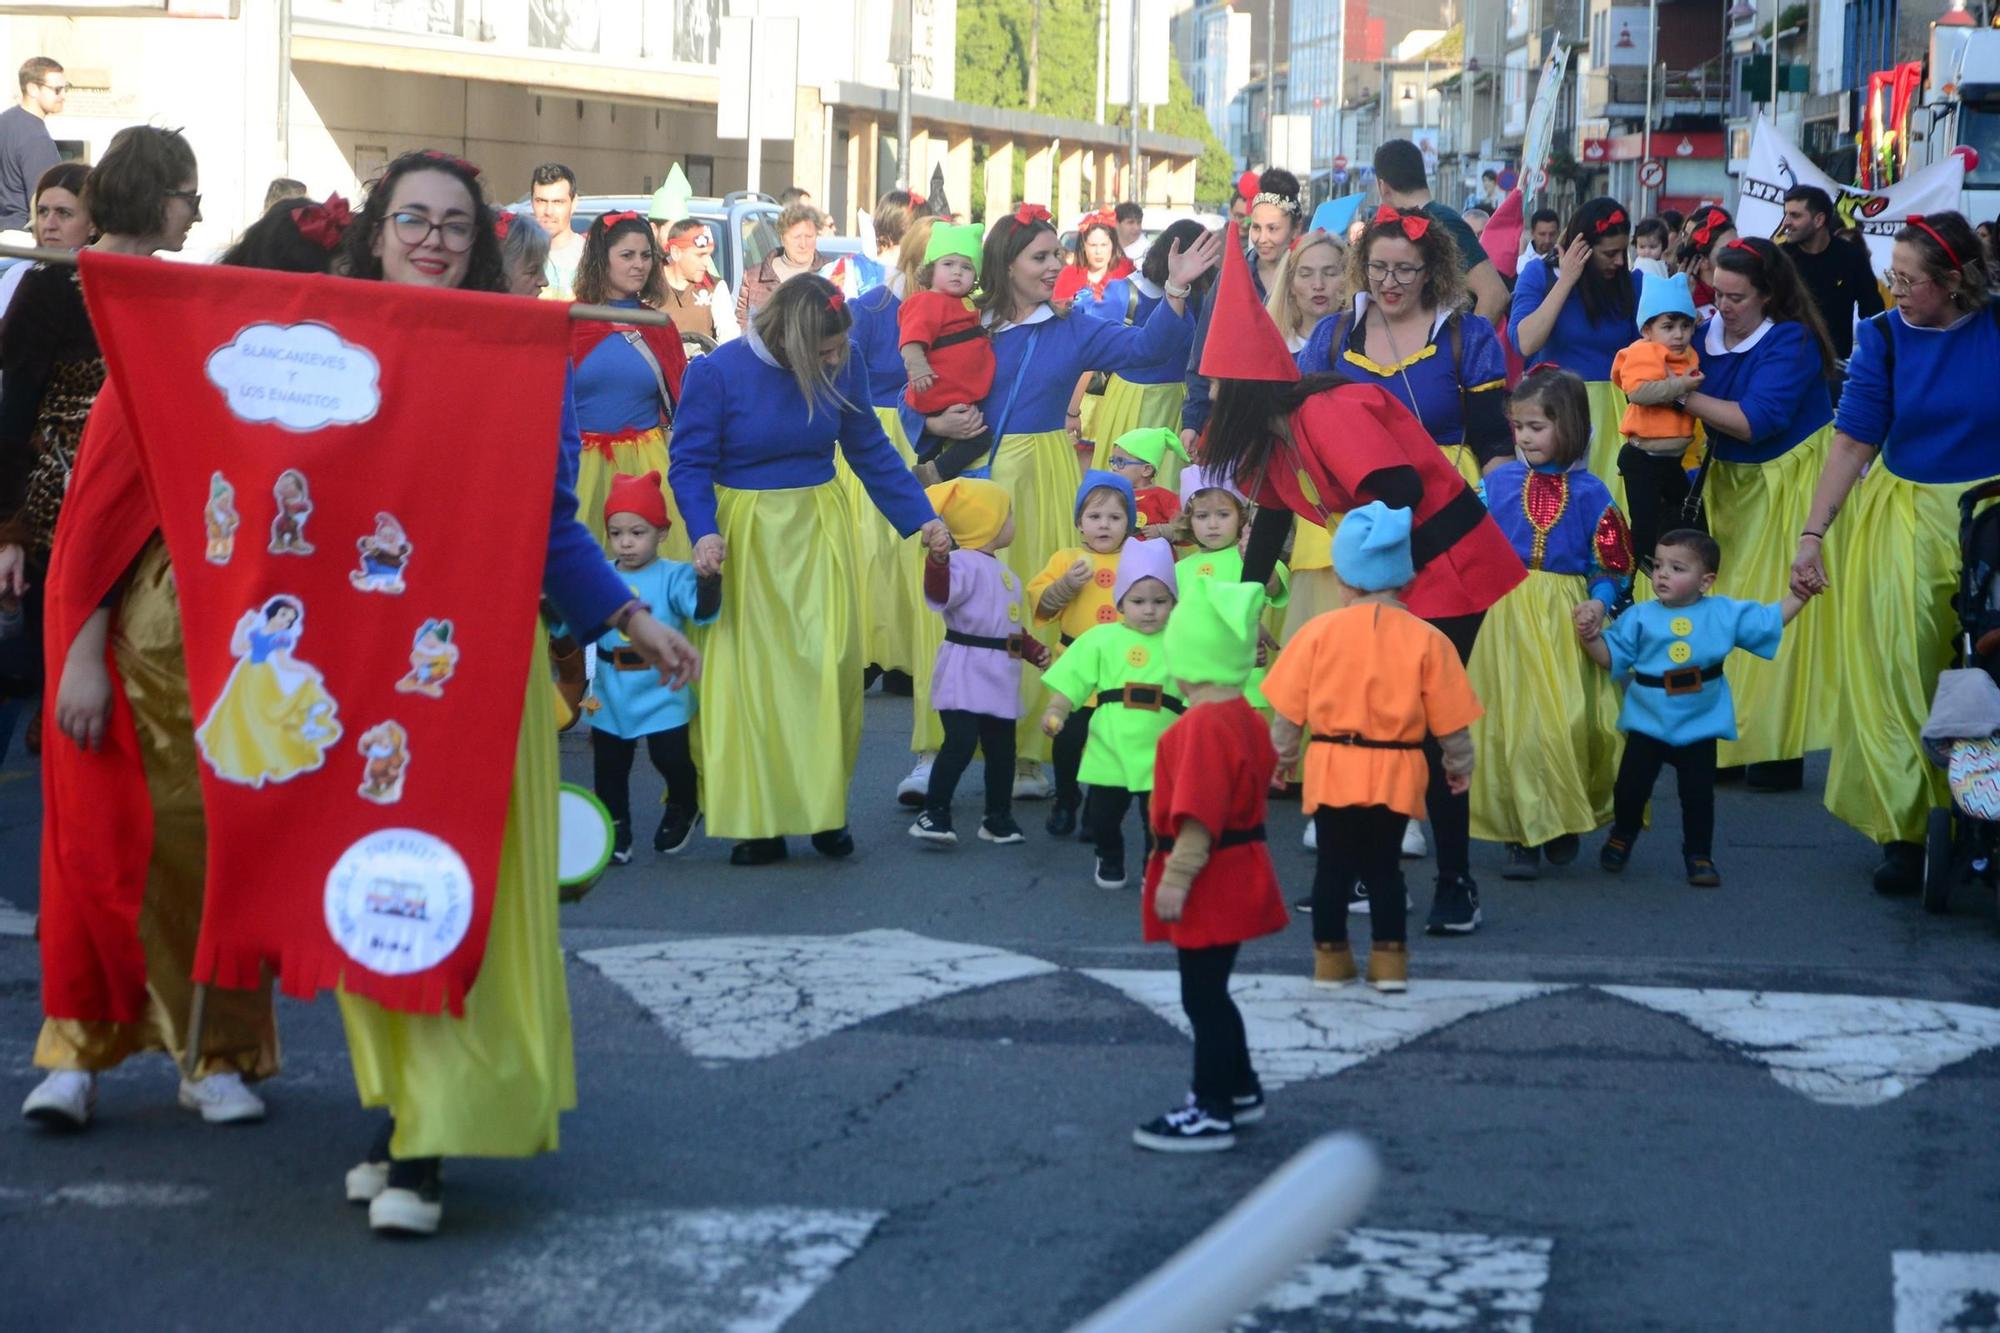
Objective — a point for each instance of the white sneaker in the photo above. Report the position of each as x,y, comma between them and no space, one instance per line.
916,788
405,1211
1311,839
222,1100
64,1099
366,1181
1414,846
1031,782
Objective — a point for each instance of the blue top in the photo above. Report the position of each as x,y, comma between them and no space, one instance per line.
262,645
1426,381
1652,639
615,388
636,703
1776,377
1194,412
1576,343
574,575
744,424
1934,423
1117,298
875,337
1572,526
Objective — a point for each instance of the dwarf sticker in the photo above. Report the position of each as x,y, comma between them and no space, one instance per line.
220,519
274,718
385,748
295,506
385,553
433,658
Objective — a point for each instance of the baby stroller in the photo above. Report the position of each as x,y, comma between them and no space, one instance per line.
1962,841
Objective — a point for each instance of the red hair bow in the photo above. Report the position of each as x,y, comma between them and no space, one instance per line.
1029,214
1615,218
1413,226
446,158
611,220
502,221
1710,220
323,224
836,299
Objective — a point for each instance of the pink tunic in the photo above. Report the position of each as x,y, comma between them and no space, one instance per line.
986,601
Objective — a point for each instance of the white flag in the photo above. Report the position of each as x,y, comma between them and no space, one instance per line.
1776,165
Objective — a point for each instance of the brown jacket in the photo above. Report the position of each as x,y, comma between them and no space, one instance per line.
761,281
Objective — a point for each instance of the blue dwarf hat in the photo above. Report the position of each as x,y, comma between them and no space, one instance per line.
1665,296
1371,548
1334,215
1098,480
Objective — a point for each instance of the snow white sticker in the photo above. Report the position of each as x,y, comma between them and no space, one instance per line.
384,554
386,748
399,901
433,657
220,519
274,719
295,506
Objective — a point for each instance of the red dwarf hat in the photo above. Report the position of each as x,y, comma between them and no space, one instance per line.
1246,185
1243,339
641,496
1502,238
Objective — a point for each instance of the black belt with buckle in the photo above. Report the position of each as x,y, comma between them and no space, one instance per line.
625,659
1011,645
1229,837
1687,680
1368,743
1145,698
1066,639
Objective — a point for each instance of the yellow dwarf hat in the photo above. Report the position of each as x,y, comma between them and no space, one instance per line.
974,510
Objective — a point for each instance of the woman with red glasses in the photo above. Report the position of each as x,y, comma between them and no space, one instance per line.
695,299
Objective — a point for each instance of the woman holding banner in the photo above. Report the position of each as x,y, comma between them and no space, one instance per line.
492,1082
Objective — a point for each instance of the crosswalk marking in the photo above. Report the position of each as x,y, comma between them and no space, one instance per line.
13,921
1298,1031
1843,1050
1946,1293
108,1195
746,997
1436,1280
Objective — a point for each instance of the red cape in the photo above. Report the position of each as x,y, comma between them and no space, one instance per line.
664,340
1074,278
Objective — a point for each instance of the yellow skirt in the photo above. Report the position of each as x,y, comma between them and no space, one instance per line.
1607,409
1041,475
631,456
781,671
1892,583
1128,407
1756,512
494,1082
1549,743
889,602
240,1030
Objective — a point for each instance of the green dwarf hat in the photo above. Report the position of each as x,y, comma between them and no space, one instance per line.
670,201
949,238
1212,634
1149,444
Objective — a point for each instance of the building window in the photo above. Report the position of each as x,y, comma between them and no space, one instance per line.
563,25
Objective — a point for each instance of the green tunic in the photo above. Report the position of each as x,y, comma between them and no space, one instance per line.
1227,565
1119,752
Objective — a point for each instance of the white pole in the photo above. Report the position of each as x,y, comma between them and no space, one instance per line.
1138,192
753,178
1646,136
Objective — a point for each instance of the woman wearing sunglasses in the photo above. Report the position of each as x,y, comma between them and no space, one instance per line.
697,300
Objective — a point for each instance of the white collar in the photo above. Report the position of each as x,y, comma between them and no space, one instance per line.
1715,347
1361,309
757,346
894,282
1040,313
1294,343
1146,289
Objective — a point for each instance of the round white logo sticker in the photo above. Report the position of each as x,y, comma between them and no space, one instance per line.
399,901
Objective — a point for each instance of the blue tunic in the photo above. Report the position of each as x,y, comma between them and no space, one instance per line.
615,388
874,337
636,703
1776,377
1934,423
1652,638
1575,542
744,424
1117,299
1426,382
1576,343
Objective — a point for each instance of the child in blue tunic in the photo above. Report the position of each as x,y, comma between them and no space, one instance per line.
1677,703
629,701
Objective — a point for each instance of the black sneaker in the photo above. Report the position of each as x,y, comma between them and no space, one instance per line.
1522,862
1617,851
898,683
1001,829
1561,851
676,830
834,842
1702,873
1186,1129
1247,1108
1110,874
1775,775
1901,871
1455,908
1304,905
413,1202
934,826
1062,821
621,843
758,852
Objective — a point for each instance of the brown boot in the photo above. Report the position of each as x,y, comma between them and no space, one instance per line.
1333,965
1389,965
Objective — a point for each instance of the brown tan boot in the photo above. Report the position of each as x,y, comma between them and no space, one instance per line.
1389,965
1333,965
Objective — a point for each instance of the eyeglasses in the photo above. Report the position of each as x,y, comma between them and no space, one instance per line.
1395,275
414,229
193,197
59,89
1898,283
1128,462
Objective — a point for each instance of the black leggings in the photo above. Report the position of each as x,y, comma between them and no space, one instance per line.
1222,1069
963,732
611,770
1656,489
1104,816
1365,843
1067,755
1694,768
1451,815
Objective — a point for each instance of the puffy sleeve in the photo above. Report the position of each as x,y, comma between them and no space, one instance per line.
698,445
1867,403
1483,374
1759,627
1611,563
1322,344
1195,410
575,575
1530,290
1104,345
891,486
1787,369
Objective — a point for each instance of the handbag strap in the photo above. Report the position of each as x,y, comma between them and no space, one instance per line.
999,423
637,340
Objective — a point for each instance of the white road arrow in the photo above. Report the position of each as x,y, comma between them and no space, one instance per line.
1381,1280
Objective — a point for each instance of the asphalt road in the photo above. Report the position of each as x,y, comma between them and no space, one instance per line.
896,1093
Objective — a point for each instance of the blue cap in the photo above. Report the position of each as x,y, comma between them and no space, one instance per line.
1665,296
1098,480
1371,548
1336,214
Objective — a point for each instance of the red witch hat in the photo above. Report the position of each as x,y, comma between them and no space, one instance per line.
1243,339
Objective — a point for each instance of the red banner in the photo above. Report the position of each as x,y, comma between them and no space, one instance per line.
353,480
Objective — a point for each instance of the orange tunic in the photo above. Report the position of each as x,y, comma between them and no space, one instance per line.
1642,363
1378,672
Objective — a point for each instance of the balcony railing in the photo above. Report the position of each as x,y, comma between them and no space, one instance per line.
1622,92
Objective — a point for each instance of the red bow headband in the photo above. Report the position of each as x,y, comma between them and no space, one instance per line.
1029,214
611,220
502,222
836,299
1615,218
323,224
1710,221
1105,216
1917,220
1740,244
446,158
1414,226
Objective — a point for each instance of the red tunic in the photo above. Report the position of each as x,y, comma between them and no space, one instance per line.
1215,765
1075,277
1343,435
1156,504
964,369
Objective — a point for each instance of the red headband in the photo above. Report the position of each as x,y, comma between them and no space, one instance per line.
611,220
1413,227
836,299
1029,214
1917,220
1539,367
1615,218
322,224
1740,244
446,158
689,240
